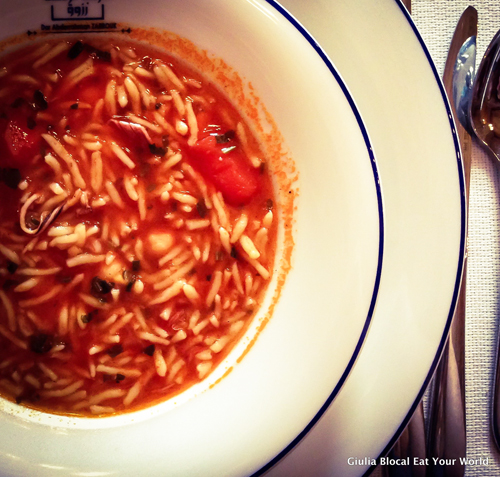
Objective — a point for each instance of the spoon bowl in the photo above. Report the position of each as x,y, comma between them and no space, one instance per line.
485,101
463,81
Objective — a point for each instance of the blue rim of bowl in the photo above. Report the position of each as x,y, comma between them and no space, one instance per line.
308,37
463,234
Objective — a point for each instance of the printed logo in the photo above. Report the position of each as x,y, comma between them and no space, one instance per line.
77,16
64,10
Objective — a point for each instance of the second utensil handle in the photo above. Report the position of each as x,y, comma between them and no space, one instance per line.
446,433
495,411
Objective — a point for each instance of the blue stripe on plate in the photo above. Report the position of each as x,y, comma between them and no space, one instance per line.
462,241
369,148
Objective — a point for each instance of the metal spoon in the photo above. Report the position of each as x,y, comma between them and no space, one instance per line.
485,103
447,437
485,121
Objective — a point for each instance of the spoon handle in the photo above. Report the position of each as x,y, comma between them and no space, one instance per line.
407,4
447,426
495,412
447,420
447,436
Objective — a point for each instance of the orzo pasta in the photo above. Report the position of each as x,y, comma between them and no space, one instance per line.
138,226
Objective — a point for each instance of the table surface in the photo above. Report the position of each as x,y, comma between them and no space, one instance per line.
436,21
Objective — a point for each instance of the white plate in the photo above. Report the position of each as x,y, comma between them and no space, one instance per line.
387,68
305,352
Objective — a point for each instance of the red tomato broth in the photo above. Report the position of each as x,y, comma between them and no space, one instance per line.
83,352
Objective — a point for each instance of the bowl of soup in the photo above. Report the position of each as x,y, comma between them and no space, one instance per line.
191,236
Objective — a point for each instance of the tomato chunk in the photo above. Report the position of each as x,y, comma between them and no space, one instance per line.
21,142
226,166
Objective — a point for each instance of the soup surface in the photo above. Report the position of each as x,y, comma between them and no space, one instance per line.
138,226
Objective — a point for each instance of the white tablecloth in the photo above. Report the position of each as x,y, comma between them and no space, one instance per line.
436,21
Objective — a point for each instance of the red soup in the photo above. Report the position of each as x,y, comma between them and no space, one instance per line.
137,231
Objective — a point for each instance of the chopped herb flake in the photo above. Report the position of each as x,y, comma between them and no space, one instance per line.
130,284
30,123
17,103
12,267
115,350
136,265
89,316
9,284
98,54
99,287
85,318
201,208
149,350
75,50
226,137
41,343
130,278
10,176
119,377
39,100
156,150
28,395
